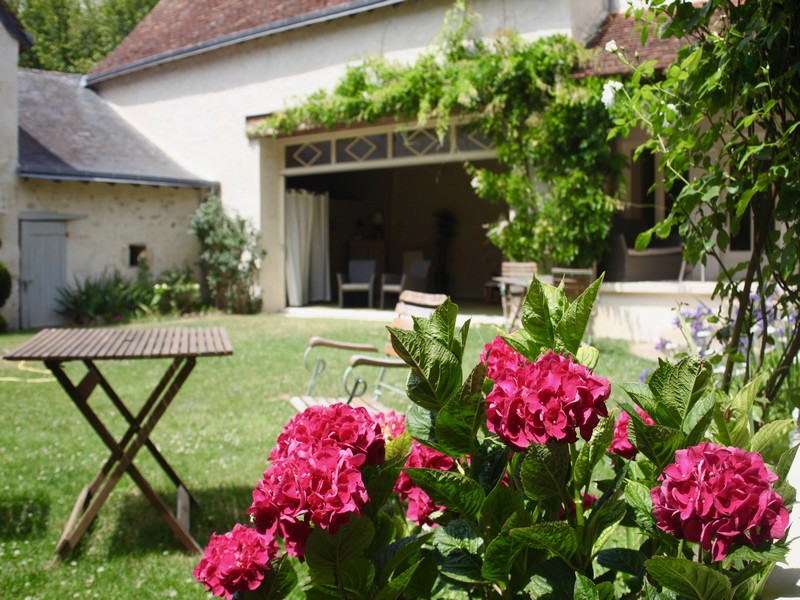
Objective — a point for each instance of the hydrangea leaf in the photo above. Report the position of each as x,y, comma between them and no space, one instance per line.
602,523
356,576
489,462
677,388
785,462
461,417
732,415
585,589
696,423
770,436
642,396
395,587
588,356
656,442
435,370
279,580
536,319
326,551
623,560
637,496
592,451
572,326
552,580
399,554
545,470
380,481
458,493
502,550
501,504
689,579
420,424
557,537
461,548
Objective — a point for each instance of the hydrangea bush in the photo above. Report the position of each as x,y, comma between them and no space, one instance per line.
519,480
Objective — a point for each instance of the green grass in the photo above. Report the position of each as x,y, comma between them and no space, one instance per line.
216,435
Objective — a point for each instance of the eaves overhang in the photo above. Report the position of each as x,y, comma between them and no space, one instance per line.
97,177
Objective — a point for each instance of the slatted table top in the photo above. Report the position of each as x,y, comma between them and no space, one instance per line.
82,344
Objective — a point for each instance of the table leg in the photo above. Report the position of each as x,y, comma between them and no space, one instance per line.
95,494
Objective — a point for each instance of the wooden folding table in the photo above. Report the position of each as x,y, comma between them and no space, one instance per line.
58,346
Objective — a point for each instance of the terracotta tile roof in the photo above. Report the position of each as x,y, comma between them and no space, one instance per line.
10,21
68,132
623,31
178,27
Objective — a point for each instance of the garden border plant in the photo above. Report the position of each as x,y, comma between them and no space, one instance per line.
549,128
518,481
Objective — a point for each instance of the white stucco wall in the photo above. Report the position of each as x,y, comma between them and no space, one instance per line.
195,108
116,217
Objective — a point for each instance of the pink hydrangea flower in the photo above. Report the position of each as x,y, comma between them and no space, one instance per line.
323,488
621,444
235,561
420,505
546,401
349,426
499,357
719,497
392,424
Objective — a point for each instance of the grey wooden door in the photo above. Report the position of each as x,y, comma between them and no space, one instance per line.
43,270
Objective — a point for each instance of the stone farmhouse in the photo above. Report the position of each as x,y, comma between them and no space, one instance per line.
96,170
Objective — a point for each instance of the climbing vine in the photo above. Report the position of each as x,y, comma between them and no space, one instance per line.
558,173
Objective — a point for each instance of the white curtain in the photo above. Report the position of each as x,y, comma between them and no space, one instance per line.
307,257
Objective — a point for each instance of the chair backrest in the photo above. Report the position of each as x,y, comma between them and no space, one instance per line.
522,270
575,280
409,256
413,304
360,271
420,268
416,278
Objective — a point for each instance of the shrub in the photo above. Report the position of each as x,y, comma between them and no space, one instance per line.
175,292
230,257
108,298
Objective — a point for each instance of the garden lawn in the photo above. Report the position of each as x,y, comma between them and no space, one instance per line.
216,434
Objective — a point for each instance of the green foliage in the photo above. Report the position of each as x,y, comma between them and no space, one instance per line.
176,293
71,35
5,291
107,298
727,112
549,129
230,257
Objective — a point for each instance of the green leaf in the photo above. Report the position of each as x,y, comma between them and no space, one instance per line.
732,415
420,424
356,577
279,581
455,491
642,396
771,434
536,318
462,416
677,388
689,579
489,462
503,549
785,463
500,505
584,589
572,326
398,554
602,524
557,537
395,587
592,451
772,554
623,560
638,498
588,356
326,551
461,549
545,470
380,481
696,423
551,580
656,442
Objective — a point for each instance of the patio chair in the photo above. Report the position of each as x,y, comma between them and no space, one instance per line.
360,278
515,277
411,304
415,279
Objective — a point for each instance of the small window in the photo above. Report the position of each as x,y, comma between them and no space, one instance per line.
136,254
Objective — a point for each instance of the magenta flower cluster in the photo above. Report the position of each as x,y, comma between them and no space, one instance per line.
420,505
620,443
315,476
550,400
719,497
235,561
499,358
